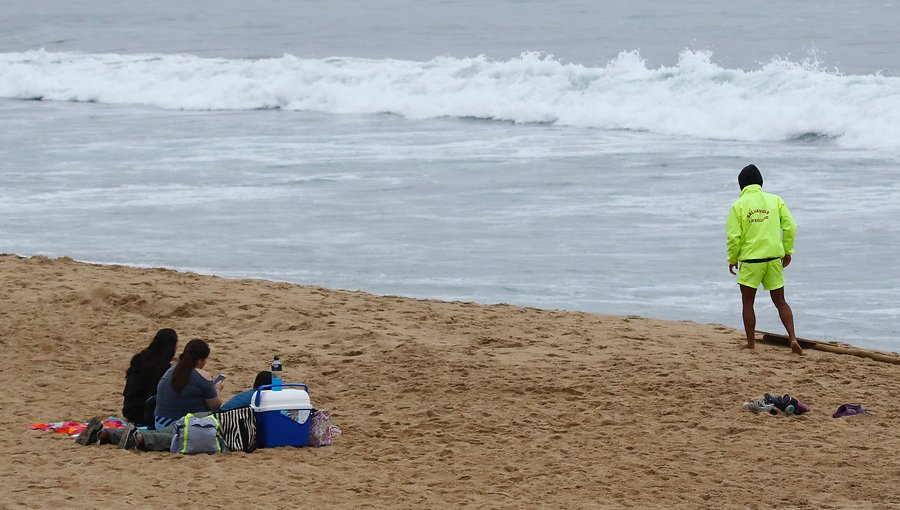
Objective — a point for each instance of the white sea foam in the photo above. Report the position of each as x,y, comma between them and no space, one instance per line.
780,100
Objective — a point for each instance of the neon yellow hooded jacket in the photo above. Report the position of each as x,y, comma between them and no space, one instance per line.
759,226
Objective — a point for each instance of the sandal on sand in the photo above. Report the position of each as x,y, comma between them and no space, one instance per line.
849,410
759,406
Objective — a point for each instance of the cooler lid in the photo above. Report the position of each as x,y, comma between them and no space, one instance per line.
265,399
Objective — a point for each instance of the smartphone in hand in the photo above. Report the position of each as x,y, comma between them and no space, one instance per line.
220,377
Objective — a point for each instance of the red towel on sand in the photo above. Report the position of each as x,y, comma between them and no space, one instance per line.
73,428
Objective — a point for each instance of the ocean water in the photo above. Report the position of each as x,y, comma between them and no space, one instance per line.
574,155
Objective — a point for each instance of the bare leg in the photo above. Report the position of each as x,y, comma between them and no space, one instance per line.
787,318
748,296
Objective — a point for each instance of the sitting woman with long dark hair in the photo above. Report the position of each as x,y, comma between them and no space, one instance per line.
143,375
187,387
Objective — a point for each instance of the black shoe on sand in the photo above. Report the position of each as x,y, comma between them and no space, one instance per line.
129,438
780,402
91,433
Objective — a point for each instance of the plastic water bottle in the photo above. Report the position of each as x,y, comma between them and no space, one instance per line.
276,374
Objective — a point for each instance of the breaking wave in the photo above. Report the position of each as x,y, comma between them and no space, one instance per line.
780,100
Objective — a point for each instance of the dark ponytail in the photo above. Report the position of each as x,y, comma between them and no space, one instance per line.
194,351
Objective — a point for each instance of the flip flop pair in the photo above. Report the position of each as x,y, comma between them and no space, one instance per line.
849,410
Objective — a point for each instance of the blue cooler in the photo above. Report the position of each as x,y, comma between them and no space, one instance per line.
283,417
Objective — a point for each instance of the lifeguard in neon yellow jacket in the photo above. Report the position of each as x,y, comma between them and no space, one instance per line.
761,234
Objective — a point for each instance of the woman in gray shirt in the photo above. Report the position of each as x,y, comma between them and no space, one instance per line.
186,387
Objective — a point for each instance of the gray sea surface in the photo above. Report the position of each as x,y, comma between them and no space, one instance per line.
478,180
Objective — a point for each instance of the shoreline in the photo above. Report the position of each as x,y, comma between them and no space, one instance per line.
760,334
440,403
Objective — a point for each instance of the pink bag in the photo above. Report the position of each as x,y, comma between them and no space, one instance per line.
321,431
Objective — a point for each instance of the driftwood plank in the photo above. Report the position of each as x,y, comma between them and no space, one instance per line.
886,357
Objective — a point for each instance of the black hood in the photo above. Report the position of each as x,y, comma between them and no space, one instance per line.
749,175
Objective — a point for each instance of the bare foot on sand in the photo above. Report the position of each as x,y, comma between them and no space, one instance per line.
750,347
796,349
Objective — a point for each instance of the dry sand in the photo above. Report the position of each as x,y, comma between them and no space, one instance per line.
441,404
